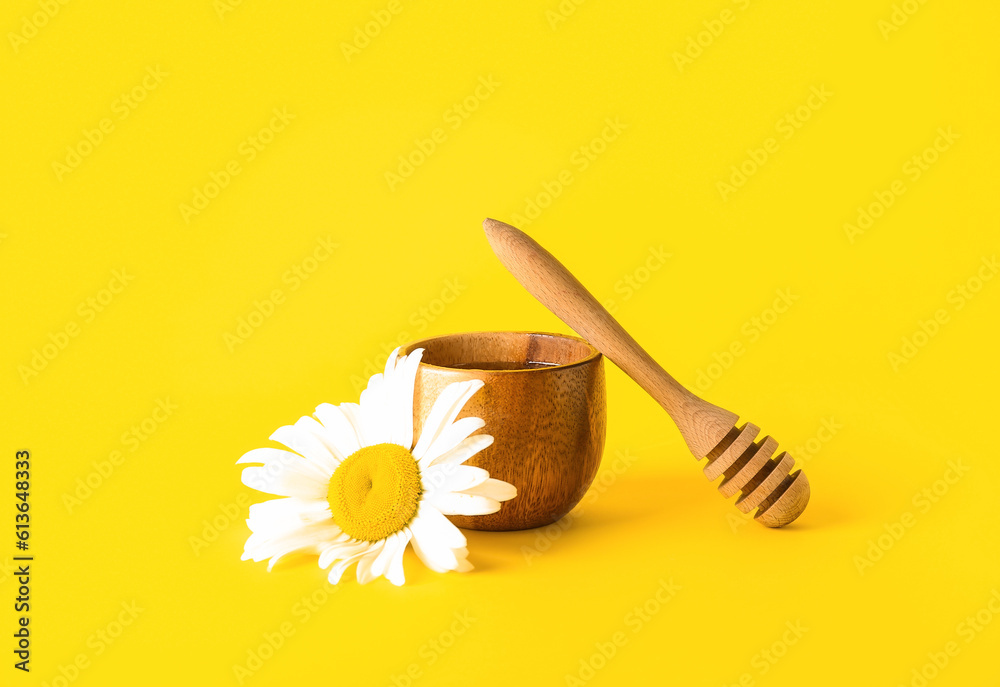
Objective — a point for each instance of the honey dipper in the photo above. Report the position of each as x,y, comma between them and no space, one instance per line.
745,465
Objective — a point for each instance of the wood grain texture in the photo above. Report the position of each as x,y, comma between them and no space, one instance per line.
708,430
548,423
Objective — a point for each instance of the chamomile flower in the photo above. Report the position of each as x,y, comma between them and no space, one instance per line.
358,489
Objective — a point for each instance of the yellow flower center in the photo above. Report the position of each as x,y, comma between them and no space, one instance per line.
375,491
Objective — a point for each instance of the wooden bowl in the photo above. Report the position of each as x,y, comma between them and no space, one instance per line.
548,421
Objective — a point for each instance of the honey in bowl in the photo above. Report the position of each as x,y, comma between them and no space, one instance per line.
502,365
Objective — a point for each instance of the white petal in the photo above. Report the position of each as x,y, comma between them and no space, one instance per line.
364,570
284,474
285,515
436,541
342,432
496,489
338,568
454,503
390,363
267,456
386,408
301,438
352,411
388,547
446,408
406,374
435,556
374,413
392,415
306,539
287,547
464,564
452,477
371,395
394,569
329,453
341,549
392,542
442,528
453,435
465,450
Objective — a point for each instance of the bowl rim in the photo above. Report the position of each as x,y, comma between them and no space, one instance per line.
592,356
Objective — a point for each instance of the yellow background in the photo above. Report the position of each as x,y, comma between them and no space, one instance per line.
401,247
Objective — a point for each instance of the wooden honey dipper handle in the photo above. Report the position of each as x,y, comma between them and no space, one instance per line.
708,430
